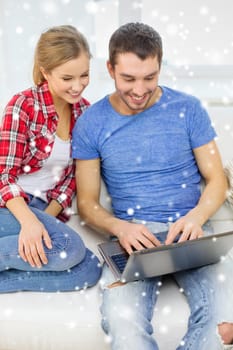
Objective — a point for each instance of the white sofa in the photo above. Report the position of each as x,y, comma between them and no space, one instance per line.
71,320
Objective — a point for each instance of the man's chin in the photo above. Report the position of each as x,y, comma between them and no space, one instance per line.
138,107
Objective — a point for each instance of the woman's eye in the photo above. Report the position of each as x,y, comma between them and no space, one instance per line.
66,79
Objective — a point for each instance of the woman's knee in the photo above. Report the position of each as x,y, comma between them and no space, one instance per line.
67,250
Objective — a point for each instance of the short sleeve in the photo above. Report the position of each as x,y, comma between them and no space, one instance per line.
201,130
84,144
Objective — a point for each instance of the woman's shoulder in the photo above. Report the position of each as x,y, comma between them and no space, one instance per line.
29,97
20,103
81,106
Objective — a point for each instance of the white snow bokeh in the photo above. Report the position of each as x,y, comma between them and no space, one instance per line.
130,211
198,58
197,46
197,40
92,7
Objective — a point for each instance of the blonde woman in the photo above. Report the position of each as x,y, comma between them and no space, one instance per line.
37,250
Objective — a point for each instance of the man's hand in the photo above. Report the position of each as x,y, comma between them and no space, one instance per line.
136,236
187,227
31,239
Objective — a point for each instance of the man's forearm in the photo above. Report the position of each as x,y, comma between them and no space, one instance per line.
98,218
211,199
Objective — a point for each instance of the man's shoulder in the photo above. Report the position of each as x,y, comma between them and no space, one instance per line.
174,94
93,117
95,114
97,106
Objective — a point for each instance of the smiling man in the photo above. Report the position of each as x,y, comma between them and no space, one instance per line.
151,145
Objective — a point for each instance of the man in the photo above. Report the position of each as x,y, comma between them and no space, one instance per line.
151,145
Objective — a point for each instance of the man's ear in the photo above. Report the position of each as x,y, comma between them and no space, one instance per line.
110,69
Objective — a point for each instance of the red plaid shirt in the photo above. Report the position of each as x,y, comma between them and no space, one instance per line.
27,136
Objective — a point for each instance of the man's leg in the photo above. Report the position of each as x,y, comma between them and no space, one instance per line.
202,326
226,333
215,295
127,311
224,291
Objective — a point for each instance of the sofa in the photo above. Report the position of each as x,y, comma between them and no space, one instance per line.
71,320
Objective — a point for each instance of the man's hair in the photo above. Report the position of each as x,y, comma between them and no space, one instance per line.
137,38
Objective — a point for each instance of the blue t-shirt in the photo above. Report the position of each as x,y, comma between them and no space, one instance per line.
147,160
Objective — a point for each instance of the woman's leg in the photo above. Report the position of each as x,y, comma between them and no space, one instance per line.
67,250
84,275
77,265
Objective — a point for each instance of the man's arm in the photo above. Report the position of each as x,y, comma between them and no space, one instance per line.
88,181
210,166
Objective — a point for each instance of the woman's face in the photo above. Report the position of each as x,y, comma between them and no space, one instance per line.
67,81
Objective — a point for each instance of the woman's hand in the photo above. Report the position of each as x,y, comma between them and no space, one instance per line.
31,238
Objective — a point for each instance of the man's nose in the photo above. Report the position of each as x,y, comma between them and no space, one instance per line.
139,88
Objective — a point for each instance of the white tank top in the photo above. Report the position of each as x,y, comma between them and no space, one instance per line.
41,181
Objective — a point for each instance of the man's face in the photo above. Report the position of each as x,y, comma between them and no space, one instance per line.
136,82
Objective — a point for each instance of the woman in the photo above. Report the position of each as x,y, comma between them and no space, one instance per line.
37,250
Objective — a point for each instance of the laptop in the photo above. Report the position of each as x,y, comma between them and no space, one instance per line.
165,259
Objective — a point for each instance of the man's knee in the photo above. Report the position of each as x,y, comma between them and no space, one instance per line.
226,332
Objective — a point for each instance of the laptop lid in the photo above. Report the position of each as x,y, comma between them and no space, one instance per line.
165,259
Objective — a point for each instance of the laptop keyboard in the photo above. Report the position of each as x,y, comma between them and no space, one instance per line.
120,261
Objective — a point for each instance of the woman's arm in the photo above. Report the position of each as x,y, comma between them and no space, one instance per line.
32,233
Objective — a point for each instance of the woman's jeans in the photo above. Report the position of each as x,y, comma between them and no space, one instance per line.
127,310
71,266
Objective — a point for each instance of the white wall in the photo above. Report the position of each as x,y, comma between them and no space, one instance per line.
198,45
197,37
21,23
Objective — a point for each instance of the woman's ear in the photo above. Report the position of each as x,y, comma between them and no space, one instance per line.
43,72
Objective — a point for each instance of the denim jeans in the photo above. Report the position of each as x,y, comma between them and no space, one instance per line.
71,266
127,310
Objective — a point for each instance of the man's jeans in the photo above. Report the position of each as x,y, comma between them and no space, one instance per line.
71,266
127,310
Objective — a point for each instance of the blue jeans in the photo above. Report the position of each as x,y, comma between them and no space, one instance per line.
71,266
127,310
